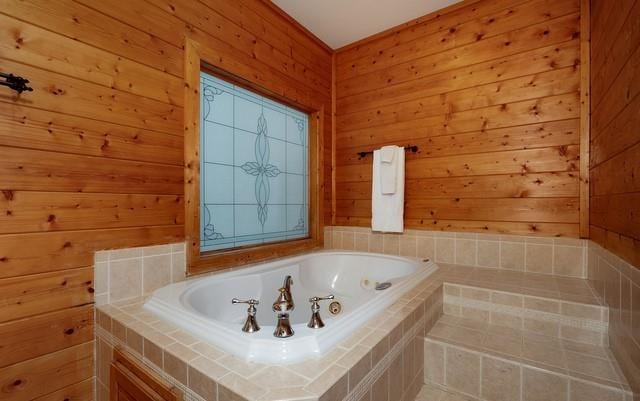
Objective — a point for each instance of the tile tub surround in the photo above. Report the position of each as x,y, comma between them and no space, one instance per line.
133,272
544,255
617,283
382,359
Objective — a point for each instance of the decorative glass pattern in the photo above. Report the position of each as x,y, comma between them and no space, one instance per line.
254,174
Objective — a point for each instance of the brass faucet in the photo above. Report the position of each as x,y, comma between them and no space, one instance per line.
283,305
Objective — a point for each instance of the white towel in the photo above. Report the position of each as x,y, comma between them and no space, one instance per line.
389,168
388,209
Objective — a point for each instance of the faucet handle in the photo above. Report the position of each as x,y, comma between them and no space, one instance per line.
316,321
251,324
316,299
250,301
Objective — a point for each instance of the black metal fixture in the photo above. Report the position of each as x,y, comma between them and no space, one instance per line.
16,83
412,148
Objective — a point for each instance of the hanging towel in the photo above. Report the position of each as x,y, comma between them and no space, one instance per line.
389,168
388,209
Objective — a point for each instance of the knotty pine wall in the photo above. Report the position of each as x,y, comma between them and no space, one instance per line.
489,91
615,127
93,158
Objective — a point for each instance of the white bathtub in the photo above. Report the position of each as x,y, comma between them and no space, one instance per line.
203,306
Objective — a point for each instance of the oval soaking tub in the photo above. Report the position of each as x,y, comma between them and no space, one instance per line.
202,306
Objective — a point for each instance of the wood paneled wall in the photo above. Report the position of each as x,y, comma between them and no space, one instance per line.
490,92
93,158
615,127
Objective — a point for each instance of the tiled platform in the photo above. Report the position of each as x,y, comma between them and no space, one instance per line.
488,361
525,283
468,356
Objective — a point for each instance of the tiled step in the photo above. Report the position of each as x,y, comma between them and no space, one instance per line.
539,285
552,317
476,360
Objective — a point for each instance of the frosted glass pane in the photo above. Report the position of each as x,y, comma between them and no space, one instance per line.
254,173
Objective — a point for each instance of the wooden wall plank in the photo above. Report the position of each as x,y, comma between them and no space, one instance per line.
30,128
46,374
545,210
527,63
50,171
533,136
24,212
28,44
542,185
621,92
615,138
528,38
28,338
563,158
89,26
487,26
93,158
512,228
68,249
41,293
506,115
552,83
618,175
81,391
624,128
438,21
585,107
490,92
66,95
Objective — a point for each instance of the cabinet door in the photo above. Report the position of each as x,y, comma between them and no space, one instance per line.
132,381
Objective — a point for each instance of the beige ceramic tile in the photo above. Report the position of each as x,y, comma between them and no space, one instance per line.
512,256
362,242
156,272
591,366
568,261
125,279
462,371
539,258
408,246
542,305
273,377
156,250
500,380
582,391
178,267
581,311
433,362
101,277
466,250
391,244
445,252
540,385
503,298
488,253
376,243
348,240
425,247
202,384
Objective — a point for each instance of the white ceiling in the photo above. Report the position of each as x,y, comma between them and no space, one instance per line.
340,22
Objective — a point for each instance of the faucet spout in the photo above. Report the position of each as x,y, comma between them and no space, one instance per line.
288,282
283,305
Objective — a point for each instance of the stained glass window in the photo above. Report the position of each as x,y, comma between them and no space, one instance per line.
253,172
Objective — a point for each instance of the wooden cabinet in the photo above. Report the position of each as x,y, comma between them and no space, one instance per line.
132,381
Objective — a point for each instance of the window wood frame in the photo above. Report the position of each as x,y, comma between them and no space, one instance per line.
199,57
